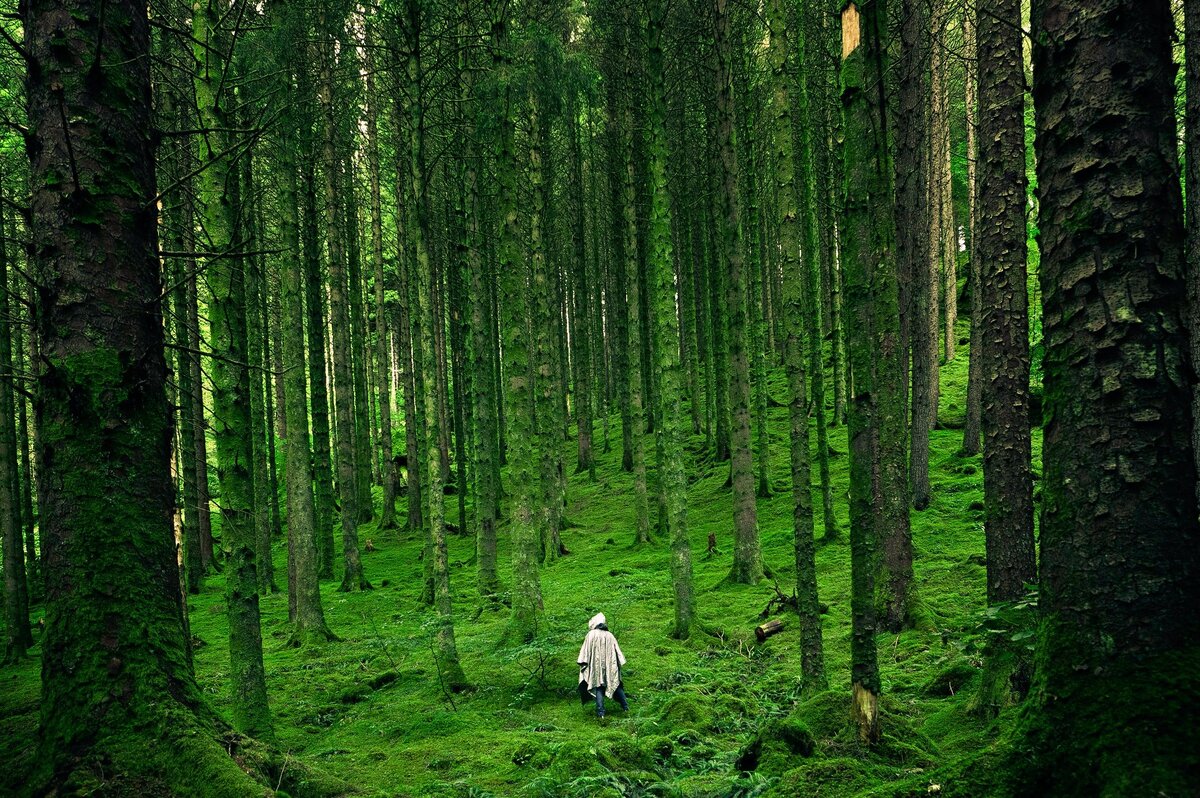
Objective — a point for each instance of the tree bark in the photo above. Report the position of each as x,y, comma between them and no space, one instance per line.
878,490
225,275
1119,562
116,680
973,424
518,400
345,442
747,553
666,329
812,656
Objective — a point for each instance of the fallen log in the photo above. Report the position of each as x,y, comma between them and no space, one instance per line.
765,630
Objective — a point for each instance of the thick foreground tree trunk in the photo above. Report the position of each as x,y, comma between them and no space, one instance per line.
117,686
1114,707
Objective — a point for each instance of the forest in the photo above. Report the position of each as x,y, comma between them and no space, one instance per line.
838,359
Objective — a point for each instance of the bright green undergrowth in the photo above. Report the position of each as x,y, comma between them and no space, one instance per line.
712,716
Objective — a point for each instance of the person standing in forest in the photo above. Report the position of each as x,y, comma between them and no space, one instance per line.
600,662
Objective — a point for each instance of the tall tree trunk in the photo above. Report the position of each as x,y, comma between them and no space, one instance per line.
747,553
915,223
448,668
878,486
487,498
260,426
114,656
359,350
192,558
581,333
225,276
945,238
812,657
18,636
518,400
1118,585
304,595
972,425
345,441
24,360
317,374
633,349
387,519
1000,239
1002,299
1191,40
666,330
549,431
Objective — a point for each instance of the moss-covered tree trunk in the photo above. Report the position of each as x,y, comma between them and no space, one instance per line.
17,635
314,306
789,221
199,424
546,399
1001,297
972,426
805,191
448,668
633,351
192,557
117,686
255,278
944,239
415,516
878,487
666,332
747,553
359,350
225,275
1113,702
581,333
514,319
306,612
914,215
487,487
387,518
345,440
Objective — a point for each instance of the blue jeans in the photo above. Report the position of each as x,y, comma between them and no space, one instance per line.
619,694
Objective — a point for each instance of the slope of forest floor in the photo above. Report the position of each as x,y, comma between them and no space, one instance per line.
713,716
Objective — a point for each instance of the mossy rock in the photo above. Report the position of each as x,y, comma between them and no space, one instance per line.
950,679
686,711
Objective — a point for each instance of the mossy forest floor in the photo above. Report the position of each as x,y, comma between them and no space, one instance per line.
369,709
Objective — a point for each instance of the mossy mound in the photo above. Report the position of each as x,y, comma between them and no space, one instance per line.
824,777
774,749
950,679
686,711
825,715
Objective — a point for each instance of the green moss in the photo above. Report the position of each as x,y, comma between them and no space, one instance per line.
825,777
687,711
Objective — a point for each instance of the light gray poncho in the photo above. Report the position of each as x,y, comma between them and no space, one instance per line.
601,658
